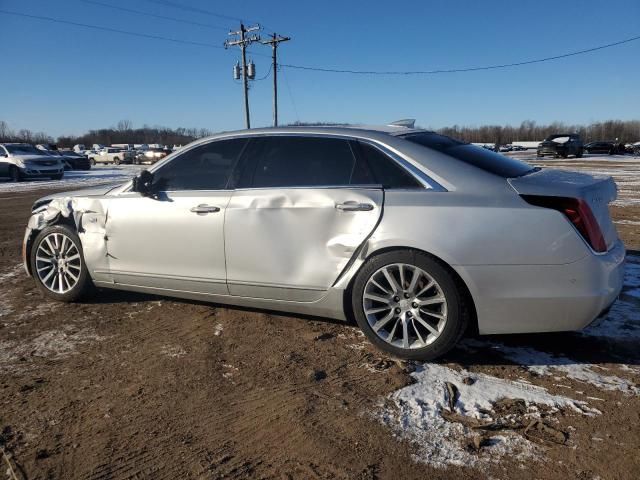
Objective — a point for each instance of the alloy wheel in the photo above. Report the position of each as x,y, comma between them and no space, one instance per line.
58,263
405,306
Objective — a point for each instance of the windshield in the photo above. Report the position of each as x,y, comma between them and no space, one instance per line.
482,158
24,149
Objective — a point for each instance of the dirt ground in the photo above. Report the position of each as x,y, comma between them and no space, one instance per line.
129,386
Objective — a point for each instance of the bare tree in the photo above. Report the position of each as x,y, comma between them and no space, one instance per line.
125,125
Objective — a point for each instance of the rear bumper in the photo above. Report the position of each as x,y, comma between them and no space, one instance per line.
545,298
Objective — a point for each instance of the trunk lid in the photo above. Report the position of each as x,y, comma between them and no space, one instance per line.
596,190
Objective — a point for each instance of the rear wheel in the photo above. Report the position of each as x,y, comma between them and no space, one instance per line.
57,264
409,305
92,161
116,160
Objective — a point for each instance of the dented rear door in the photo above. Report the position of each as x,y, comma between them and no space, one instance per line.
292,243
300,211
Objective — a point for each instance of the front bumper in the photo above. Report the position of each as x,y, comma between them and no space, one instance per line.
37,171
545,298
551,151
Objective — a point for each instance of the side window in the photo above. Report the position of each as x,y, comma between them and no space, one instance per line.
301,162
385,170
207,167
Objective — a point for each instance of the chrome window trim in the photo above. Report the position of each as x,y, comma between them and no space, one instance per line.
427,182
424,179
316,187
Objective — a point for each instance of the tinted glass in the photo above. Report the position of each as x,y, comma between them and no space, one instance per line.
23,149
386,171
206,167
482,158
302,162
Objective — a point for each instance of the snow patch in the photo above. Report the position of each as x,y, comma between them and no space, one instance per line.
6,278
173,351
51,345
414,414
543,363
98,175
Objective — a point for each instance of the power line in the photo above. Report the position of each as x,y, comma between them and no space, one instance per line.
113,30
266,75
330,70
293,103
458,70
190,8
147,14
180,6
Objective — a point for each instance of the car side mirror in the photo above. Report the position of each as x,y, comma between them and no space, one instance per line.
143,183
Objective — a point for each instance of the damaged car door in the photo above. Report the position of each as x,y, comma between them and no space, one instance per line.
173,238
301,208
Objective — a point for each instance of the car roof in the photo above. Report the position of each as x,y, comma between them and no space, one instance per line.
359,131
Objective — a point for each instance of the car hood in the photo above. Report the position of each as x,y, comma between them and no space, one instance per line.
35,157
552,143
85,192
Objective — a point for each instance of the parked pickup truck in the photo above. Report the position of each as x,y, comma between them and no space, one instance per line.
111,155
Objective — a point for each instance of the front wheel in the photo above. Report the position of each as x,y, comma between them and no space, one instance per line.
409,305
15,174
92,161
57,264
116,161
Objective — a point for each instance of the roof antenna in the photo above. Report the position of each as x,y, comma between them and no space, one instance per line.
406,123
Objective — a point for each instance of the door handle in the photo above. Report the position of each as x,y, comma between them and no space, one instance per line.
203,208
352,206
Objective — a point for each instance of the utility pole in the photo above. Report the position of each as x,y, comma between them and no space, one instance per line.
243,42
275,40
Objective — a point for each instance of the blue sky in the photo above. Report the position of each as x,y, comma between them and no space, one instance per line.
65,79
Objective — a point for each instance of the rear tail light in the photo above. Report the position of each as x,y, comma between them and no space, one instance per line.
578,213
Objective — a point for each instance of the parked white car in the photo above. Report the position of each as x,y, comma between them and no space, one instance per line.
111,155
19,161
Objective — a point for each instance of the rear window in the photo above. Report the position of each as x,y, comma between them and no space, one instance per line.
482,158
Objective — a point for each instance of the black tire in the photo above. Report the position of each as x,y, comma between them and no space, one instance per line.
84,283
457,311
92,162
116,161
539,155
15,174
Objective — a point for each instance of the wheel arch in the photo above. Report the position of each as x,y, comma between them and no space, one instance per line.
460,282
28,245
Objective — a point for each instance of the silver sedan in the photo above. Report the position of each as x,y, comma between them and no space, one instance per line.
415,235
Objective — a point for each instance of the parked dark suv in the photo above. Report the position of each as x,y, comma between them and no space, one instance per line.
604,147
561,145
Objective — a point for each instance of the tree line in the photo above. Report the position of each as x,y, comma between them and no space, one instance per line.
123,132
622,130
